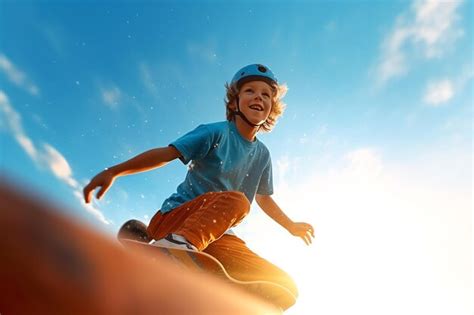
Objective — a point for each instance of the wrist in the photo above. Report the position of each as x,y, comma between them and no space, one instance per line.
289,226
112,171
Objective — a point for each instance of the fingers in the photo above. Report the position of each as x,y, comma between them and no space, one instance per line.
309,229
102,191
87,193
103,180
306,233
307,239
89,189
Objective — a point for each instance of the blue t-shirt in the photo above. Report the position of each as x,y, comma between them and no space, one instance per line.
221,160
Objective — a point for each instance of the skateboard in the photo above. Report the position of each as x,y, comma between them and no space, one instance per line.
133,236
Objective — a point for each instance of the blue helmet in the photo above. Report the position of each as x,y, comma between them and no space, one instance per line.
254,72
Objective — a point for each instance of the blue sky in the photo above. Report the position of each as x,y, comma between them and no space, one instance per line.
378,126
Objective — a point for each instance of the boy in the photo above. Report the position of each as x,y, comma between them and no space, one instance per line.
229,168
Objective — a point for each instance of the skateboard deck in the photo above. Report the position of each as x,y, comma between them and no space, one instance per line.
201,262
51,263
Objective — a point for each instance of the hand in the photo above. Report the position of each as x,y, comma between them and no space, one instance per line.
104,180
303,230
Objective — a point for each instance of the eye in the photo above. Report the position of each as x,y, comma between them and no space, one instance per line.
266,94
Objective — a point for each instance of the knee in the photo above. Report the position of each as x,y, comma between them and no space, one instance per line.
235,202
239,200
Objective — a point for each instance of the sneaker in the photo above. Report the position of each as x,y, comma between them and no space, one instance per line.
174,241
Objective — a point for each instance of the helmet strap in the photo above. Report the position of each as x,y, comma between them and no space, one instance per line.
238,112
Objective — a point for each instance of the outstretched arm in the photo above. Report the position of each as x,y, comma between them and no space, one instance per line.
301,229
143,162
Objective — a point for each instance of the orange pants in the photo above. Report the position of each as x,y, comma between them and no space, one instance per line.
203,222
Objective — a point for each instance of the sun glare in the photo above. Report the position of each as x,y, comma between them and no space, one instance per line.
376,248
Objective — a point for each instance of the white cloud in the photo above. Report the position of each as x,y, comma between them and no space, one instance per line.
47,156
111,96
12,121
13,74
27,145
16,76
59,166
89,207
439,92
430,26
147,79
435,25
12,118
393,62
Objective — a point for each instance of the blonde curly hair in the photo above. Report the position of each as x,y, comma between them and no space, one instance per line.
278,107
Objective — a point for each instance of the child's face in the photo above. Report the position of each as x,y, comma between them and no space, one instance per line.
256,101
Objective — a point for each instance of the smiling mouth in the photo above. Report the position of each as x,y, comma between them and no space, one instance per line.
256,107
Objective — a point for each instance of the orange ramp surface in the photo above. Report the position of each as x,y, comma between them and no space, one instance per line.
52,264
